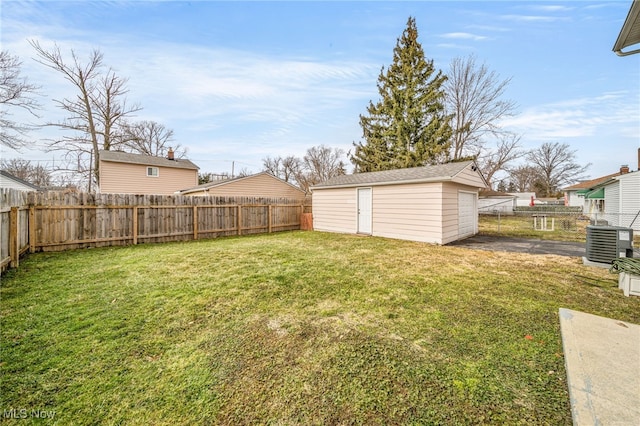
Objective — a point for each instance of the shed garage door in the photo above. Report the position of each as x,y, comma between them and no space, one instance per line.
467,214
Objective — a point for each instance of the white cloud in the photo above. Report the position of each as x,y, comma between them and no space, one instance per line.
242,99
551,8
463,36
450,46
532,18
491,28
576,118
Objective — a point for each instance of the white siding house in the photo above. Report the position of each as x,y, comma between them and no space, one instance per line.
574,195
7,180
434,204
617,201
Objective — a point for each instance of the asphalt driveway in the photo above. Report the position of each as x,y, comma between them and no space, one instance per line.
522,245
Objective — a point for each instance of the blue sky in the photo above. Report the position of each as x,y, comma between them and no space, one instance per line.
240,81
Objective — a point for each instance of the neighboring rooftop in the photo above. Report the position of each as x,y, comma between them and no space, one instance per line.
16,179
222,182
492,193
586,184
147,160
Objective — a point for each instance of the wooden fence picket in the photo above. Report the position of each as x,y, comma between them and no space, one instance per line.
55,221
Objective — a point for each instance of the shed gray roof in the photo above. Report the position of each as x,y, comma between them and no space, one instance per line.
147,160
435,173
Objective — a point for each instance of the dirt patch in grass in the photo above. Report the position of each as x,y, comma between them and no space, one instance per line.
320,374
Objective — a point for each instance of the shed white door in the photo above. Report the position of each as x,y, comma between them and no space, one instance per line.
364,210
467,214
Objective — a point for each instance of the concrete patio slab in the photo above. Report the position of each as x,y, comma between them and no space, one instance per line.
602,358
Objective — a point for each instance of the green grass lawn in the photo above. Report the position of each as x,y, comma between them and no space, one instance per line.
566,228
294,328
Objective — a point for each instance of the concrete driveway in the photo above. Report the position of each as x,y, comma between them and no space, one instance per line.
522,245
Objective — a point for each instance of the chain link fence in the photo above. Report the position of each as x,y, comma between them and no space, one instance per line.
553,222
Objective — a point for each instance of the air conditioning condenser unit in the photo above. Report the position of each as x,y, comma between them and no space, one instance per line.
607,243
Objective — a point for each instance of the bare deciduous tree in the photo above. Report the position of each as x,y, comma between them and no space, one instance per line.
291,168
15,92
288,168
324,163
95,112
522,178
150,138
272,165
474,99
111,109
319,164
244,172
494,161
556,167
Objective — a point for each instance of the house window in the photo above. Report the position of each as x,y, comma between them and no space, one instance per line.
153,172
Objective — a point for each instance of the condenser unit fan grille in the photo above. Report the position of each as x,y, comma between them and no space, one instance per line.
607,243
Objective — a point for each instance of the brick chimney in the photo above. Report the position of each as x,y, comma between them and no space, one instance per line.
624,169
170,156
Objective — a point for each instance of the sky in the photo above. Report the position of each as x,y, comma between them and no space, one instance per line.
241,81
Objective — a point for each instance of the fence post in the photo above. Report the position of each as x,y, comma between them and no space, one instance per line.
195,222
32,229
44,219
135,225
14,242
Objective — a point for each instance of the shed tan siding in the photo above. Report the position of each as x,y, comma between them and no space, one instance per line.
417,204
261,185
450,209
127,178
408,212
335,210
470,178
426,212
449,212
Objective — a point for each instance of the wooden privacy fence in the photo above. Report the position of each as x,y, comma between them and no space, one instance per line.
14,231
64,221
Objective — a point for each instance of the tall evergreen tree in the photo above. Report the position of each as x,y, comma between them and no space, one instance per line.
408,126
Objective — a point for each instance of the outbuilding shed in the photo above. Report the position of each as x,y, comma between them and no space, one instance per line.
435,204
493,202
